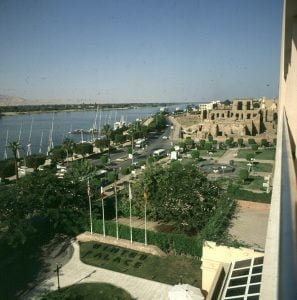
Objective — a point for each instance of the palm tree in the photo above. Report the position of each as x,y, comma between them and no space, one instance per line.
68,147
15,147
107,130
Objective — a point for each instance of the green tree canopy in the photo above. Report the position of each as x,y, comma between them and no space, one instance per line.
58,154
249,156
101,144
264,142
179,194
42,197
104,159
240,141
84,148
35,160
251,141
195,154
6,168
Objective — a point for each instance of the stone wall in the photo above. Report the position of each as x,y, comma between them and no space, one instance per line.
95,237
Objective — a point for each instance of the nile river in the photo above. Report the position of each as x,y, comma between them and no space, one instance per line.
18,126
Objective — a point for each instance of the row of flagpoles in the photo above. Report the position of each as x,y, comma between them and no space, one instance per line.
102,196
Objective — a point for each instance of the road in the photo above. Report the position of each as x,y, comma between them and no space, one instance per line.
119,157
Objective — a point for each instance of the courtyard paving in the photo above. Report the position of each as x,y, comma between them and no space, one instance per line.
77,272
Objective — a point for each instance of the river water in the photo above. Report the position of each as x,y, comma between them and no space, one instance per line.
18,127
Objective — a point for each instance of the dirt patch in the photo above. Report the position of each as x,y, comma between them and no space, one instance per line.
250,223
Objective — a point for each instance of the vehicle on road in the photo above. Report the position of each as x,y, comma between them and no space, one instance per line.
160,153
140,143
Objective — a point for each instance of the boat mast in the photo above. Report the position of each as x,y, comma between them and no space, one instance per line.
40,144
6,145
29,140
50,137
19,139
82,135
99,126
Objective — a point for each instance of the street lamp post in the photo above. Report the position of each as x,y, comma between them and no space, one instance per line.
58,267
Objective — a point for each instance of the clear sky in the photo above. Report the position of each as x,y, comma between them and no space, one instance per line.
139,50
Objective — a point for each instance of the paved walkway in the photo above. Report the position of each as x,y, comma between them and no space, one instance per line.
77,272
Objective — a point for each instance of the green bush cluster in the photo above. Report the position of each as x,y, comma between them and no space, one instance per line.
216,228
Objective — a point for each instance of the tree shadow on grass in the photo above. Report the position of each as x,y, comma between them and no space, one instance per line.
24,267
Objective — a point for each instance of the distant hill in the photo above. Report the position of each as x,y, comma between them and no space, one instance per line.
12,100
6,100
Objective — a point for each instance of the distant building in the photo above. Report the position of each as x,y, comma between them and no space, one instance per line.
244,118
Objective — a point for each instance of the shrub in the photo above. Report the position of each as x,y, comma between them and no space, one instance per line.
195,154
125,171
104,159
251,141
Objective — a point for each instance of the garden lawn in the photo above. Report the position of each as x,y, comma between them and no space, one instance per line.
257,167
254,183
170,269
239,192
94,291
265,154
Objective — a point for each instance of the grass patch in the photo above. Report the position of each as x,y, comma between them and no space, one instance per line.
257,167
236,189
95,291
254,182
241,194
170,269
265,154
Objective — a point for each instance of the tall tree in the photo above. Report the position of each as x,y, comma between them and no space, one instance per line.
83,149
179,194
35,160
15,147
107,131
68,146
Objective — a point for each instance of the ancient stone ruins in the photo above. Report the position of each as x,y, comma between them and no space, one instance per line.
243,118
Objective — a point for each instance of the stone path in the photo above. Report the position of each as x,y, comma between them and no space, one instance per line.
77,272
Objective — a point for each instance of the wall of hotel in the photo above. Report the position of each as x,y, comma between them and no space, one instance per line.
287,102
214,255
288,72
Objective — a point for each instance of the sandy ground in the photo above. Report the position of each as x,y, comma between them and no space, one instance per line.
250,223
151,225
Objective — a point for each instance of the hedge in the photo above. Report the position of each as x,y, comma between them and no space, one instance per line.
168,242
215,230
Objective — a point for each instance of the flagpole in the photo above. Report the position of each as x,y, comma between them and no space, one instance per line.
103,221
90,207
116,208
130,202
145,196
145,234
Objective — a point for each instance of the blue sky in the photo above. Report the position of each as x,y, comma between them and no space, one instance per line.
144,51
